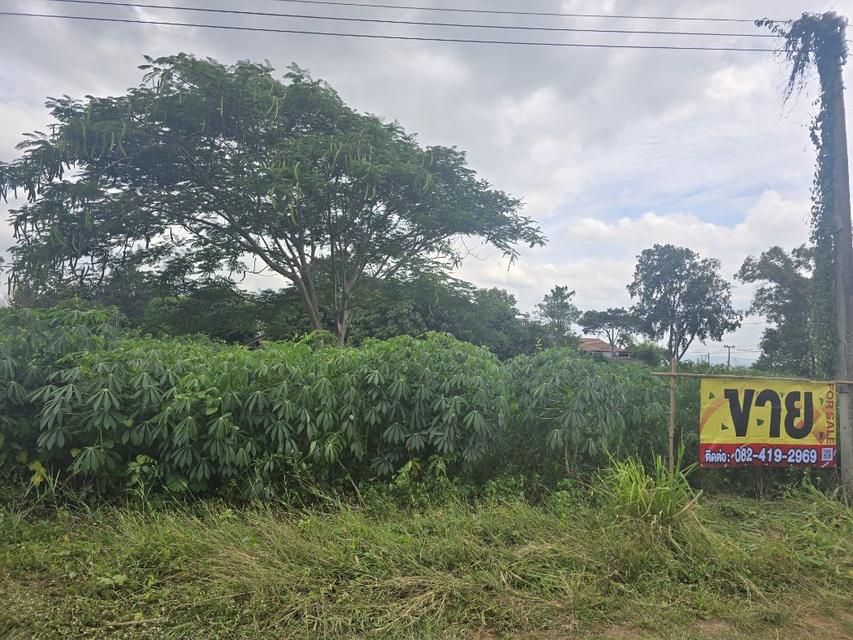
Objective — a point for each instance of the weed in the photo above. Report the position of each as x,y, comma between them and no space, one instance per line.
660,497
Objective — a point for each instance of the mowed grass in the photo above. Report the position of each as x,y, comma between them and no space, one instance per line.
568,567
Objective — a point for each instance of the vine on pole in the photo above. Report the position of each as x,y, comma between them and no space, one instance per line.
819,41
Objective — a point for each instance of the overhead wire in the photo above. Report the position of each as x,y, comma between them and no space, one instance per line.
466,25
419,23
511,12
377,36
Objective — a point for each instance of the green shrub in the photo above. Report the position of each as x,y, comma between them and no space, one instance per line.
35,347
85,400
198,415
571,411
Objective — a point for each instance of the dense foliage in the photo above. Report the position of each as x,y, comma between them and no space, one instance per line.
434,302
170,304
681,297
34,347
818,41
576,411
785,296
228,168
97,405
195,414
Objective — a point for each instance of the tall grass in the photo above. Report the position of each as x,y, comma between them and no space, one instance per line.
491,569
659,497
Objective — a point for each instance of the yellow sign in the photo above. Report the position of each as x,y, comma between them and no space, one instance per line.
766,422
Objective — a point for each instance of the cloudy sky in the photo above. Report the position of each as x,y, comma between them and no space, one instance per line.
612,150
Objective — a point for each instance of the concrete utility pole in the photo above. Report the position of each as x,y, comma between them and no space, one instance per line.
728,348
843,265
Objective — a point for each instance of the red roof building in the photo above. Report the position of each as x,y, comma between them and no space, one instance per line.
596,347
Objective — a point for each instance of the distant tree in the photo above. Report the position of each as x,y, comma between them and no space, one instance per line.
681,297
616,324
559,313
216,309
436,302
647,352
784,297
244,172
129,289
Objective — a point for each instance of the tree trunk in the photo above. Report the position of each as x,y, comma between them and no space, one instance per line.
344,310
309,296
341,325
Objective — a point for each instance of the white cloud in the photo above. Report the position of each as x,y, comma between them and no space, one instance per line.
612,150
17,119
733,85
598,257
770,217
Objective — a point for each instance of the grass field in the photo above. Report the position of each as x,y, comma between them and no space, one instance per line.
567,567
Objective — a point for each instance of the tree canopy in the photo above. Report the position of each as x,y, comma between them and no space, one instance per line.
559,313
615,323
681,297
784,297
207,168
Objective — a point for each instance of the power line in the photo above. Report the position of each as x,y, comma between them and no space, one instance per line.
376,36
507,12
722,353
467,25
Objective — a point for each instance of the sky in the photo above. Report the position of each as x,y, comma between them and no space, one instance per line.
612,150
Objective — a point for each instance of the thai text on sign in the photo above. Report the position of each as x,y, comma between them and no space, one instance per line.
766,422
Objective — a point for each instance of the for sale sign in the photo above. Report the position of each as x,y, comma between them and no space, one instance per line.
763,422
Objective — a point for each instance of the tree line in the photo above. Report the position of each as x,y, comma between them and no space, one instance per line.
160,201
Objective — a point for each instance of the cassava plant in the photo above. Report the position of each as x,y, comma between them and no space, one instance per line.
34,347
572,411
208,415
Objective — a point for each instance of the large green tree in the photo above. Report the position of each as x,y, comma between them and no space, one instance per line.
784,296
681,297
229,169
